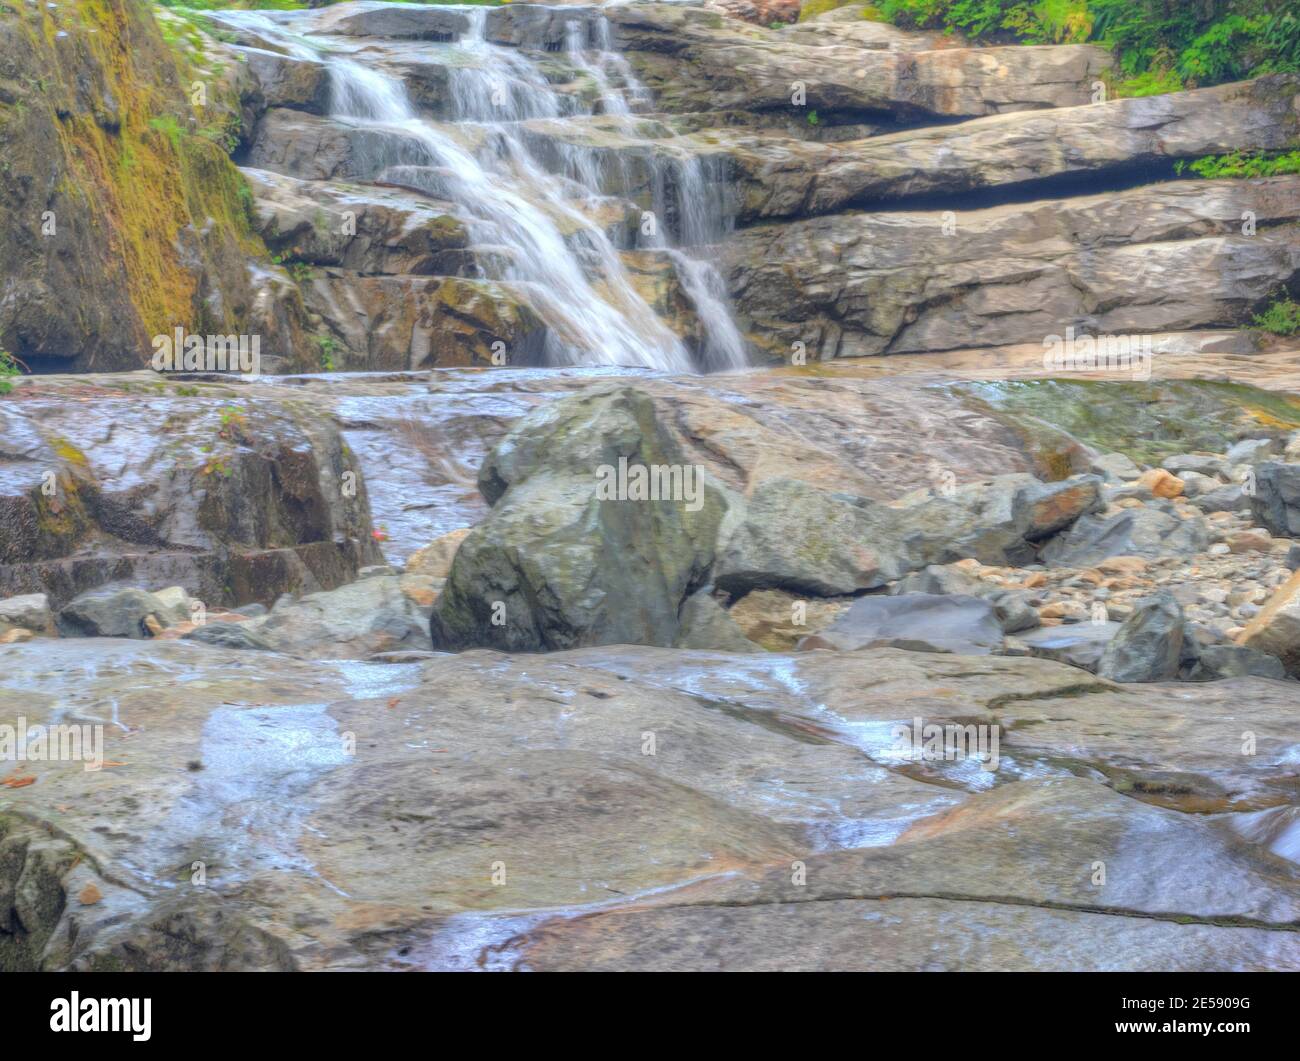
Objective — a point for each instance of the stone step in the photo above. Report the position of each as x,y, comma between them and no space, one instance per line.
693,61
1163,257
780,177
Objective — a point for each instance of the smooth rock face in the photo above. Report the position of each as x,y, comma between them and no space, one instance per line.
571,554
1010,150
1078,644
863,283
321,857
1148,644
921,622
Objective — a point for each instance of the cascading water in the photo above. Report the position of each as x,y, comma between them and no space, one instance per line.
538,221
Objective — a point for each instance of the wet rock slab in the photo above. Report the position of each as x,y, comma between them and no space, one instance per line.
484,809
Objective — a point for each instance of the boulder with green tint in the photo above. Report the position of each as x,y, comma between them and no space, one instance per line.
556,566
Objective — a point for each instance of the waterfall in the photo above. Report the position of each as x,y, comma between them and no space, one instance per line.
565,264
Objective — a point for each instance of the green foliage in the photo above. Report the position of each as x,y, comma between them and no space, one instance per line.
326,347
1281,318
1160,45
1237,164
8,369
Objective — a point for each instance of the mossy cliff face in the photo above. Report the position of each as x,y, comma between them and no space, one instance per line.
124,216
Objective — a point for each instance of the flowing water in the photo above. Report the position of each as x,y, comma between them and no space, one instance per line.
531,201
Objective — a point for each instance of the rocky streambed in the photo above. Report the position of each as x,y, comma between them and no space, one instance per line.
295,776
482,629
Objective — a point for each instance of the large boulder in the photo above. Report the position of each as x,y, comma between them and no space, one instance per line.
1003,520
206,487
1148,645
796,537
113,611
574,552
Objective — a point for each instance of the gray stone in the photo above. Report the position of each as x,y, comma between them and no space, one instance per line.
1078,644
1148,645
1013,610
355,621
1145,532
1202,463
1213,662
1115,466
796,537
31,611
1275,502
1251,450
1196,484
706,625
229,635
1229,498
923,622
112,611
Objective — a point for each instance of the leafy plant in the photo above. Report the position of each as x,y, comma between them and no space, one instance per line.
234,423
1160,45
327,346
9,367
1281,318
1237,164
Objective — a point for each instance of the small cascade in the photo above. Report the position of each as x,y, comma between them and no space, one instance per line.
534,200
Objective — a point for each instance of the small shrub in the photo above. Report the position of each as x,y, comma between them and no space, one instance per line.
8,369
1281,318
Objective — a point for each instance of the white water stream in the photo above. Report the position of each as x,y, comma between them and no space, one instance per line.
538,220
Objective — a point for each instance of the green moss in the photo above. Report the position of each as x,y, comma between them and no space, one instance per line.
140,175
1147,421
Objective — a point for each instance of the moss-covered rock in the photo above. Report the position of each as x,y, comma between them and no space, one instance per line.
124,214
